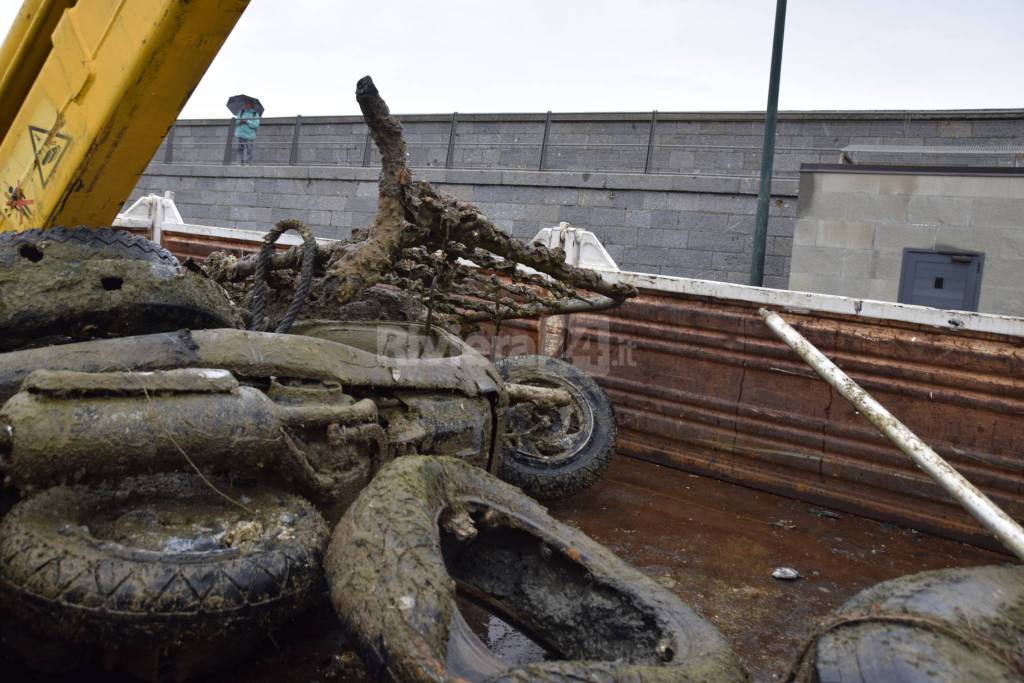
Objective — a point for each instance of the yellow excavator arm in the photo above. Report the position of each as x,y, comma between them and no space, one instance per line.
88,90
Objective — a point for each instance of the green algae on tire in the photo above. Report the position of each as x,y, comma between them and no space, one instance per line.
429,528
572,453
950,626
159,568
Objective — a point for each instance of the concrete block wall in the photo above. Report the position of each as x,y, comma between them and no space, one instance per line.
852,227
688,226
690,215
706,143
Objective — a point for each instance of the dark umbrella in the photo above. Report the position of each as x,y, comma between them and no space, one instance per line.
236,102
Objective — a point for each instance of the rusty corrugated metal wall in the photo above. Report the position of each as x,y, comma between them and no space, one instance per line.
704,386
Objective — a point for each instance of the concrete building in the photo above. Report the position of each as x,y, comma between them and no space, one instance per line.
938,236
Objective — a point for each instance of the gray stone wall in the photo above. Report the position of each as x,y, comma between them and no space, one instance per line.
704,143
851,230
667,224
690,213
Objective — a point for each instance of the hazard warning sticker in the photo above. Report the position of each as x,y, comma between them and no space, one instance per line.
49,147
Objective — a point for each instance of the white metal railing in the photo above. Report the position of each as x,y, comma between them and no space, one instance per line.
159,215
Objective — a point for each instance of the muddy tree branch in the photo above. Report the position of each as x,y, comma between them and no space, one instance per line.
416,238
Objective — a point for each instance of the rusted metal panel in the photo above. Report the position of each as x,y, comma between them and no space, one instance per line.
701,384
708,389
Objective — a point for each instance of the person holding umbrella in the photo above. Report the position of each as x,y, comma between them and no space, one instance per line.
247,111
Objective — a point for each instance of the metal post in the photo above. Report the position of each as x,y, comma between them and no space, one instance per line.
367,148
293,155
764,195
169,145
544,142
451,140
650,141
231,139
974,501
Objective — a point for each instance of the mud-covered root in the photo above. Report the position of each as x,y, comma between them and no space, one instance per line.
429,529
440,252
161,576
952,625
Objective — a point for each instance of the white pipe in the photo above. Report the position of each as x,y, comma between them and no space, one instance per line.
980,506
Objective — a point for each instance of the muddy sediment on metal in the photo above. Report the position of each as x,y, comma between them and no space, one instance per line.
715,544
398,360
95,427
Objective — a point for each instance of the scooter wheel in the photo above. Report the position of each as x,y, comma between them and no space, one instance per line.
556,452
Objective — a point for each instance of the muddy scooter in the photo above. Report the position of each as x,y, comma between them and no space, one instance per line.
146,446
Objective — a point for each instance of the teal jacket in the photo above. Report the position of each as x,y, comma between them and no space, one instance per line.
247,123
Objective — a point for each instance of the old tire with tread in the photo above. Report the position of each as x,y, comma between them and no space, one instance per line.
428,529
573,454
950,626
159,570
59,301
81,242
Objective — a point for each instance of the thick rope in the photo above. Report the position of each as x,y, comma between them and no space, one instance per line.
260,323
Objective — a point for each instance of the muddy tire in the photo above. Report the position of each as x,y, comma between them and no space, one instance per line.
428,529
159,570
81,243
573,452
56,301
953,626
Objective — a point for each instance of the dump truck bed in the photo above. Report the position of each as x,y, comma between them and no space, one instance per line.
720,397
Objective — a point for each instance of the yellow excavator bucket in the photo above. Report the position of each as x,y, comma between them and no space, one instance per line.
88,90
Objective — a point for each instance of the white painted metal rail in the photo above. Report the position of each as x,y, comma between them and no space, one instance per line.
980,506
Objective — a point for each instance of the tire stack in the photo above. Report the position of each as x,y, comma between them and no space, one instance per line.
164,577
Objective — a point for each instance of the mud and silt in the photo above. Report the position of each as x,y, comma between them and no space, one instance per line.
187,525
540,590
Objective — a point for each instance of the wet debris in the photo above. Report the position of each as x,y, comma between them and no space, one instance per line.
666,581
444,260
783,524
822,512
786,574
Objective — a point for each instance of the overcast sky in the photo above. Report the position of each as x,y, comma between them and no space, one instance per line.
304,56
